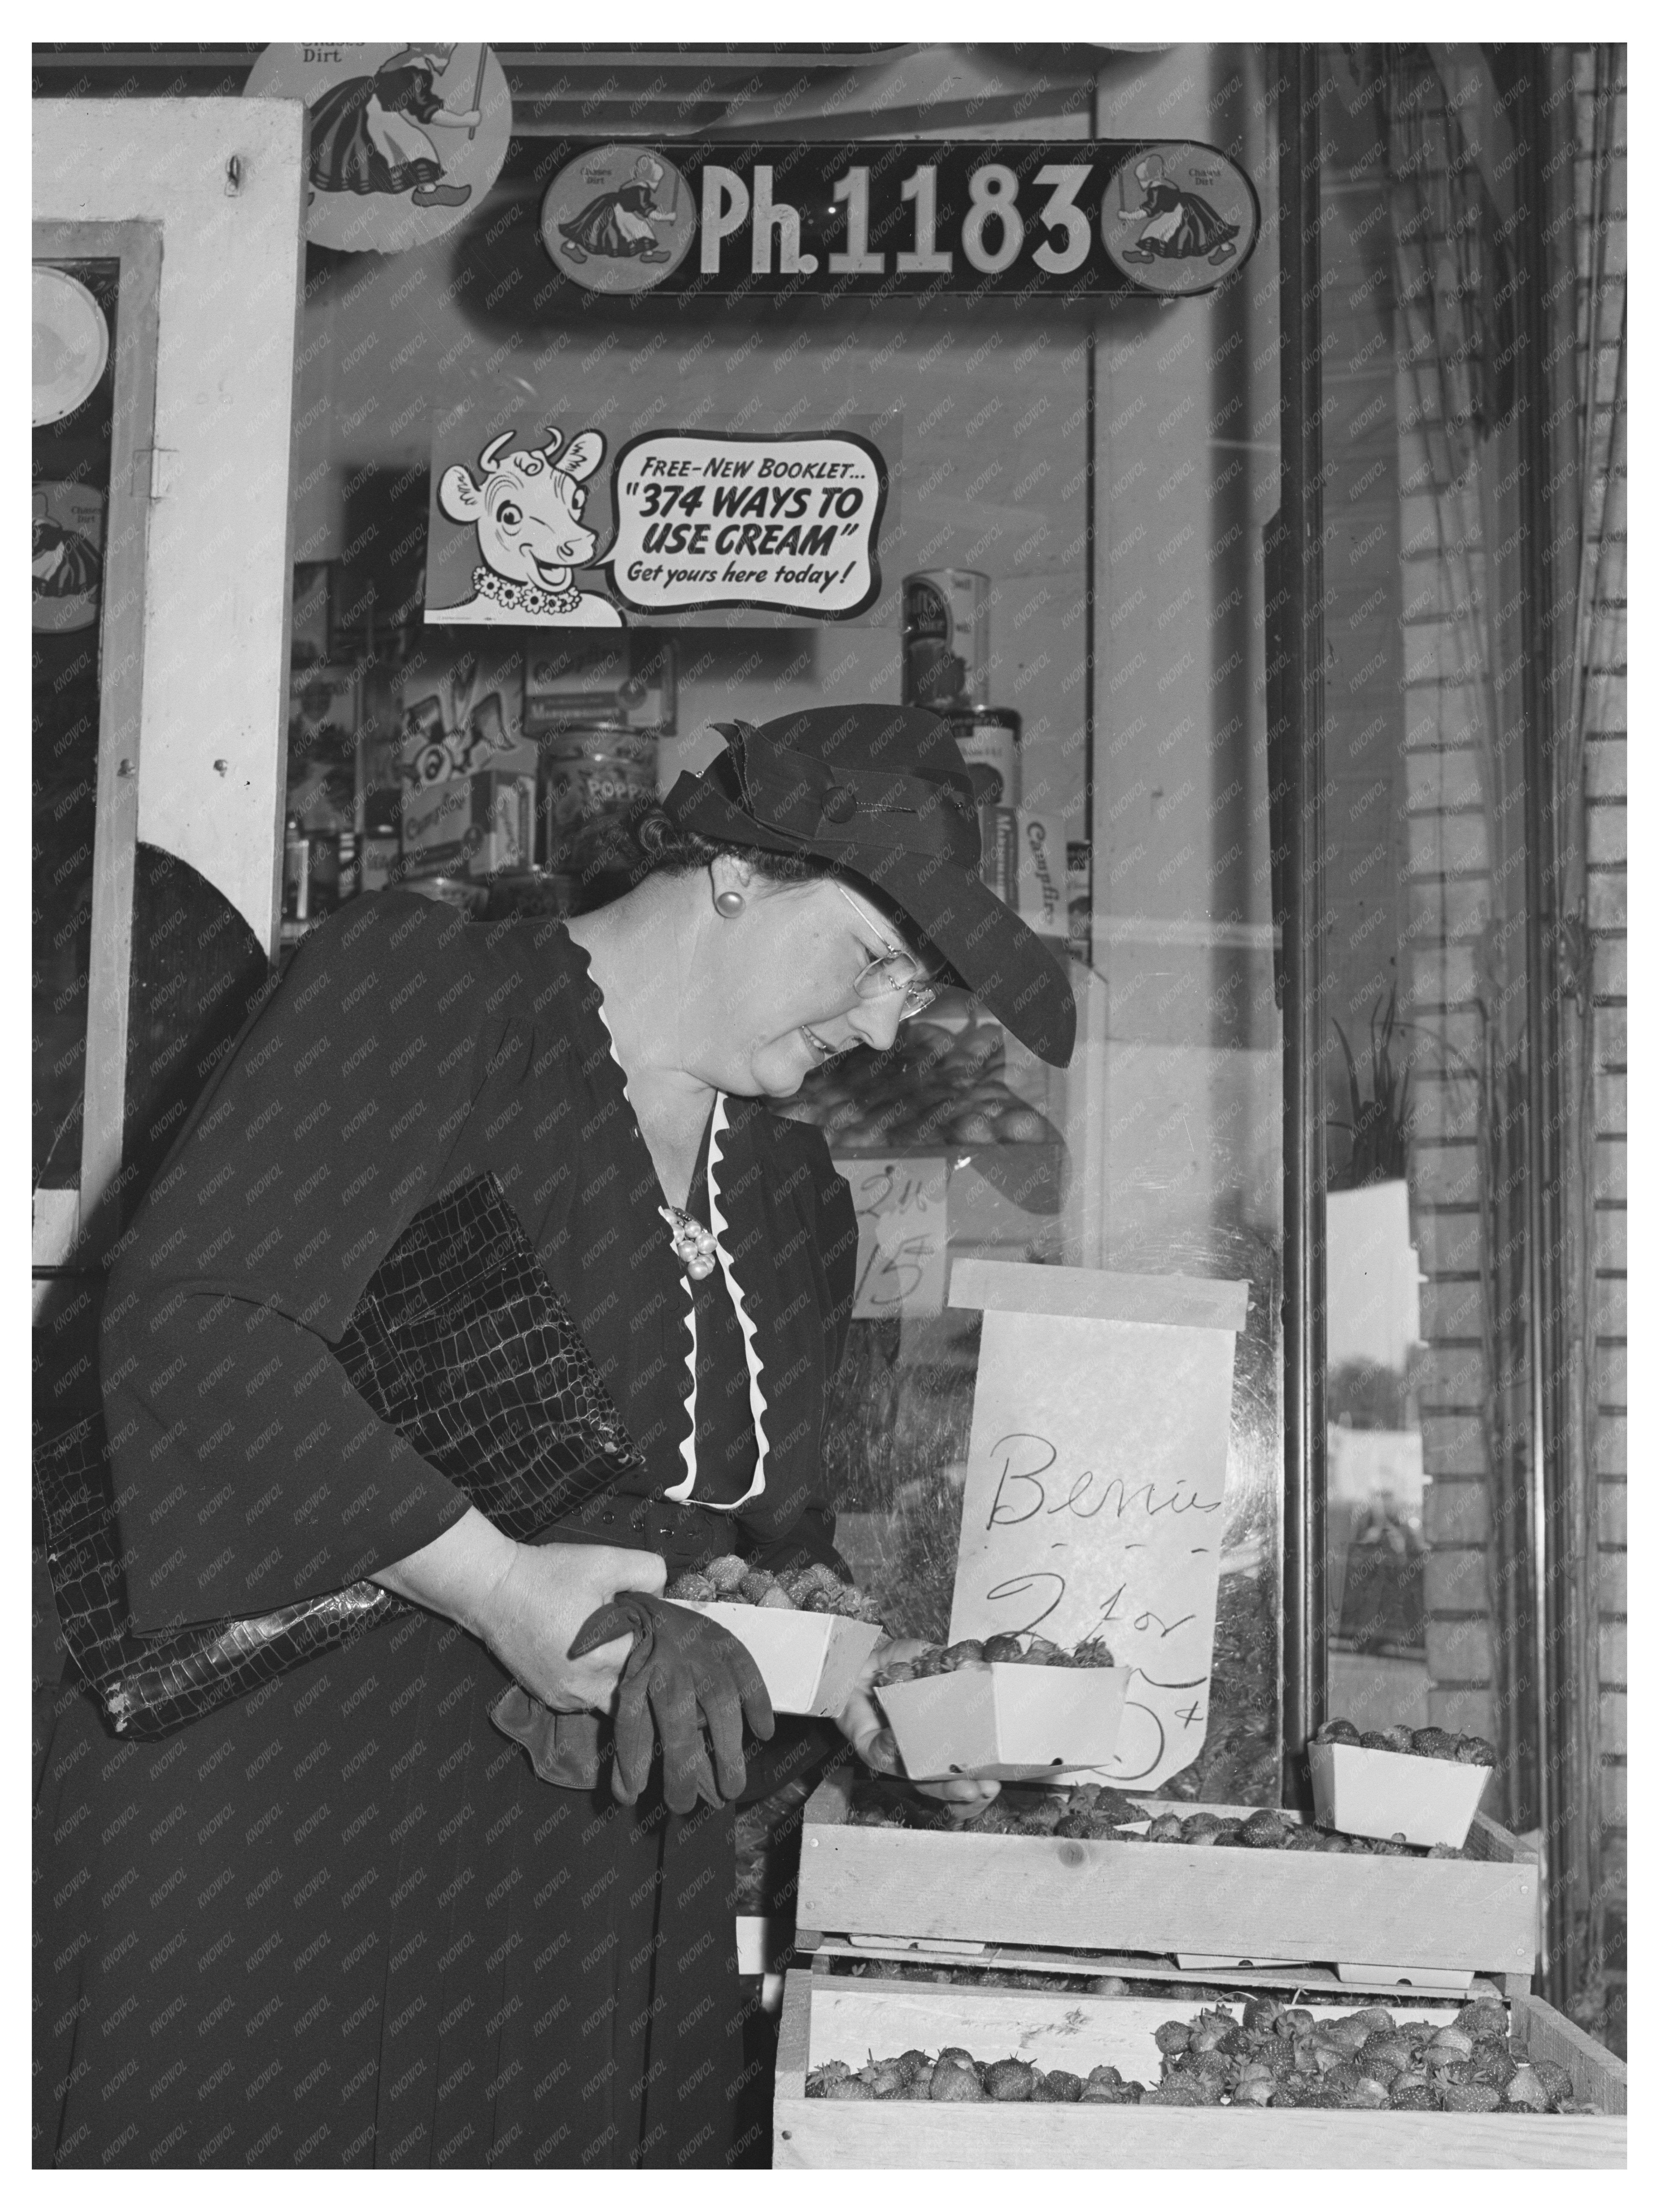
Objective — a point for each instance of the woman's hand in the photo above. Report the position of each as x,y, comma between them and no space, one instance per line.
861,1723
546,1594
526,1601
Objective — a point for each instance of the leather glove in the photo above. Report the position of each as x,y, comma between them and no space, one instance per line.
685,1672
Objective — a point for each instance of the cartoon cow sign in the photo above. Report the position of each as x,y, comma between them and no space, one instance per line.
526,506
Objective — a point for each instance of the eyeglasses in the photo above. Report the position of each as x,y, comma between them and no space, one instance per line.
894,970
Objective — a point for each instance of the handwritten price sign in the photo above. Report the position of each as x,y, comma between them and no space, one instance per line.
901,1207
1096,1468
787,523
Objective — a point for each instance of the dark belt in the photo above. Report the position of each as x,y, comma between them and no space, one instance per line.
682,1535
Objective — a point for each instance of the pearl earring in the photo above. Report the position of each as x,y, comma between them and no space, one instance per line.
728,905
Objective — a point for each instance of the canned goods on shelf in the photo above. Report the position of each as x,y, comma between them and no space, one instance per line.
947,637
1000,851
320,871
611,741
591,775
988,738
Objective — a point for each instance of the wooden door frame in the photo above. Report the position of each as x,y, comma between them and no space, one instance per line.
1301,762
66,1224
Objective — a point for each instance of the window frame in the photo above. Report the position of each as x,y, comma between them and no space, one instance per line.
66,1222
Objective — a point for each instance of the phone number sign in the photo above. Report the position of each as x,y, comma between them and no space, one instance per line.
1073,218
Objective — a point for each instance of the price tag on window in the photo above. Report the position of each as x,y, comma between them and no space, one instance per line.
901,1207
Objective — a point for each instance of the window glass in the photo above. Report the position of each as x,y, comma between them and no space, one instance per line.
1105,470
1427,1373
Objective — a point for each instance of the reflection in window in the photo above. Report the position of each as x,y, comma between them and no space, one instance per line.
1424,897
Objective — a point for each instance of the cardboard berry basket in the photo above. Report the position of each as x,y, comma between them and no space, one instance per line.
1008,1723
808,1662
825,2017
1381,1919
1392,1793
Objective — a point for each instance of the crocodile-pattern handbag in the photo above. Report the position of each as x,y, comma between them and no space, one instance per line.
462,1345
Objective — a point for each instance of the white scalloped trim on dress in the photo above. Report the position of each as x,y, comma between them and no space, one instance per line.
734,1291
681,1491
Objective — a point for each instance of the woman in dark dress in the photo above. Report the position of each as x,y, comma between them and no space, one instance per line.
342,1921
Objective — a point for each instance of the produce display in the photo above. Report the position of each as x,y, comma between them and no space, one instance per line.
1276,2055
1095,1812
956,2077
1002,1977
934,1085
733,1581
1414,1743
994,1651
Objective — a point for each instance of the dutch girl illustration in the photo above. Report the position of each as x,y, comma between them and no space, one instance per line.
64,564
1180,225
368,134
618,223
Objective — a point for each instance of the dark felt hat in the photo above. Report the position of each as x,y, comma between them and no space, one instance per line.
883,793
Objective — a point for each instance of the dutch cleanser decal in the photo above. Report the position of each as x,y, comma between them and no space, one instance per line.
405,138
710,521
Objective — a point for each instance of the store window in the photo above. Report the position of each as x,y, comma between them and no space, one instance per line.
1439,582
1067,559
639,396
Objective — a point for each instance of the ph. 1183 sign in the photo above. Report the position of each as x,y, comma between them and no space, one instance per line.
872,219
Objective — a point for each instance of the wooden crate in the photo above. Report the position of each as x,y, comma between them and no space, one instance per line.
824,2018
943,1961
1391,1915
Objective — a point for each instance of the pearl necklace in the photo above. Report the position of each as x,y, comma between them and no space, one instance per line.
694,1245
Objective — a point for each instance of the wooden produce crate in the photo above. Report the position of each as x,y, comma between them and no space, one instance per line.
825,2019
1379,1919
944,1961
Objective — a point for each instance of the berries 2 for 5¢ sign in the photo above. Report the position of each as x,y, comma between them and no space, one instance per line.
1074,218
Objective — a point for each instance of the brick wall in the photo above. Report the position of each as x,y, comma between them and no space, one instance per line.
1599,89
1459,890
1459,887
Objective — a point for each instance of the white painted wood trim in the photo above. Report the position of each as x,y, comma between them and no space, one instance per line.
219,571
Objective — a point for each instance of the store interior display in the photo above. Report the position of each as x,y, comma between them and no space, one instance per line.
497,786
